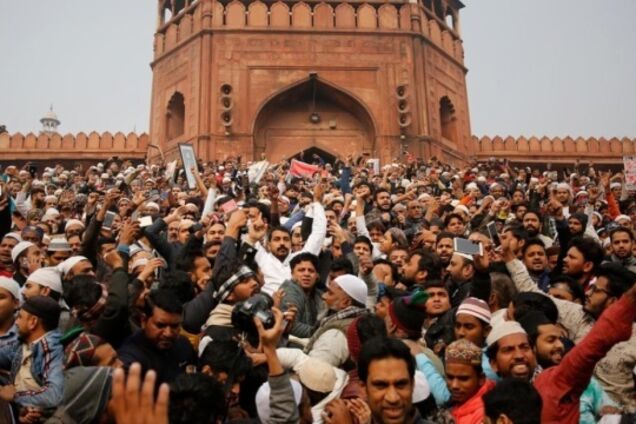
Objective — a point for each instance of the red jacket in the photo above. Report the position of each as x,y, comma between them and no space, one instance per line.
561,386
472,411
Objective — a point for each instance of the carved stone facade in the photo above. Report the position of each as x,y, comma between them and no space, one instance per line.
376,77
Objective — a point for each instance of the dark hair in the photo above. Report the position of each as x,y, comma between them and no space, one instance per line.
444,235
378,191
185,261
529,301
164,300
517,231
503,288
363,239
531,321
534,212
225,356
370,326
196,398
376,225
383,348
532,242
436,283
179,284
517,399
82,292
304,257
430,263
619,278
281,229
622,230
263,208
101,241
590,250
341,264
575,289
450,216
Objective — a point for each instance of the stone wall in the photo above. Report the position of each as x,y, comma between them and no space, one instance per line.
555,150
18,148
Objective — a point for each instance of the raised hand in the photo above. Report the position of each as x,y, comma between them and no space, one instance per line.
135,404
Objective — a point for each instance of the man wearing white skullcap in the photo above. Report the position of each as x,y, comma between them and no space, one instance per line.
44,282
74,227
26,258
346,298
9,303
75,265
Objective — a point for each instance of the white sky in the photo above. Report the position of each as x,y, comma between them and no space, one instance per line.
541,67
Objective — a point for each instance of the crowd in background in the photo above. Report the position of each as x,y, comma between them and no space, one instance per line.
345,292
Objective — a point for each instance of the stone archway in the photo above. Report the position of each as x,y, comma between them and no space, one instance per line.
283,126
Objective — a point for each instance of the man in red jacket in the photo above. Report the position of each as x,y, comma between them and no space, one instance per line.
561,386
466,381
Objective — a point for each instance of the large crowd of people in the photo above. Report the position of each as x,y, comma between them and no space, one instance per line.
346,292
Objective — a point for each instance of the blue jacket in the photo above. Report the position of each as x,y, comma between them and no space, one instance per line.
47,368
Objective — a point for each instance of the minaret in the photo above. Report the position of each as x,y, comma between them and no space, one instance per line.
50,122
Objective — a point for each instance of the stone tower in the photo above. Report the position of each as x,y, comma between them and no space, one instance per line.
49,122
378,77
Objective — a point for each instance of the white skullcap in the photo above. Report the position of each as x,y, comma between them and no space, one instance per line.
423,197
47,277
454,203
51,213
73,222
502,330
262,399
493,185
353,286
50,197
471,186
59,244
11,286
462,208
615,185
582,193
152,205
19,248
14,235
66,266
563,186
617,219
481,179
286,199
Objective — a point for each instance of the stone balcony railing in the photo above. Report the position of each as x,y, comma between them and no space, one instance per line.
309,15
555,150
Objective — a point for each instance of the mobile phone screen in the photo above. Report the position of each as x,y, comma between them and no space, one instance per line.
145,221
467,247
108,220
229,207
492,233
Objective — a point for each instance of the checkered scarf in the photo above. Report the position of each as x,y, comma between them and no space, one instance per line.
225,289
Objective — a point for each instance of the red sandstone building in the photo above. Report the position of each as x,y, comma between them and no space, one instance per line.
337,77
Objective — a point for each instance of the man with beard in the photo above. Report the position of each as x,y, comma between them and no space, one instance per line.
582,259
561,386
36,358
158,344
466,381
532,224
444,247
7,243
274,262
381,207
577,222
536,261
621,242
421,266
346,298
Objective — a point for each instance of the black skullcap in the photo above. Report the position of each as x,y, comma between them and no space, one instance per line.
43,307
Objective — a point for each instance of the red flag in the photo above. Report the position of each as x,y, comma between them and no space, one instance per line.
302,169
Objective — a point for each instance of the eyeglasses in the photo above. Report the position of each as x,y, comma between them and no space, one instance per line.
596,289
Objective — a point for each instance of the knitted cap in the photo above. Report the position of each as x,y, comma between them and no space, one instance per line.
464,352
59,244
408,313
475,307
80,351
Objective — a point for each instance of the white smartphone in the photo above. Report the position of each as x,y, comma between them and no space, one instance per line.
145,221
468,247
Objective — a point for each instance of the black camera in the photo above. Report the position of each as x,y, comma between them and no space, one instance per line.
260,306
